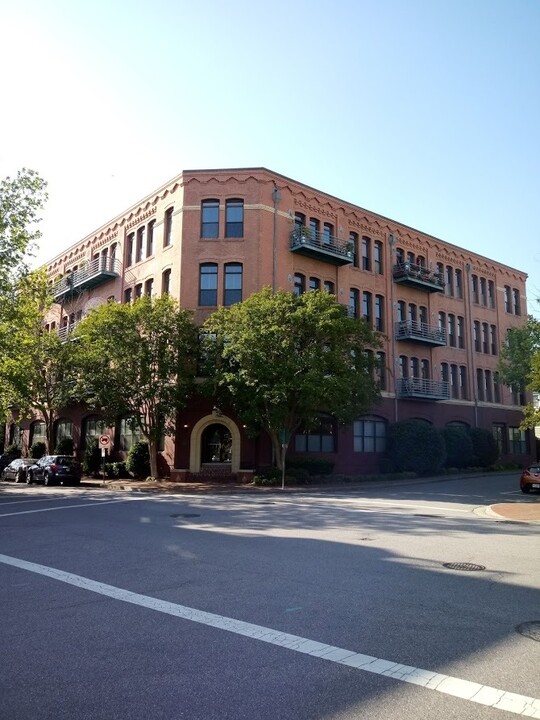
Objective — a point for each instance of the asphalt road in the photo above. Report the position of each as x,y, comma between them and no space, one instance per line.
314,606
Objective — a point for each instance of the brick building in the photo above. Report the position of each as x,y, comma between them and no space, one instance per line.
213,237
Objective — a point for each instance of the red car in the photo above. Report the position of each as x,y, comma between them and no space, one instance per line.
530,479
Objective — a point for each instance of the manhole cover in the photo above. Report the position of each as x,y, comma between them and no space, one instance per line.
530,630
470,567
185,515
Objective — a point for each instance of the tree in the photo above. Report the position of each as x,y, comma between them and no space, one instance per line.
138,361
281,359
21,200
519,364
36,368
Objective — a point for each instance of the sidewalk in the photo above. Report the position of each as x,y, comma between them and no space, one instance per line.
523,509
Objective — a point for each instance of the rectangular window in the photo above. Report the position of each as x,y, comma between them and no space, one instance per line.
149,287
449,289
329,287
452,330
485,338
314,283
480,384
507,299
379,313
454,381
129,249
208,277
496,388
299,284
474,288
380,372
369,435
128,295
463,387
499,433
328,234
516,301
140,244
366,253
232,292
476,331
483,292
367,312
166,282
354,303
150,239
518,441
493,337
127,435
461,332
167,229
459,284
138,291
210,219
234,218
353,241
491,293
378,257
488,386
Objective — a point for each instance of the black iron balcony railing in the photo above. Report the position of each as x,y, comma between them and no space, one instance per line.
419,332
321,246
421,389
94,273
409,273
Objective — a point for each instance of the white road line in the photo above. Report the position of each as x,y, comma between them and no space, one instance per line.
67,507
475,692
47,499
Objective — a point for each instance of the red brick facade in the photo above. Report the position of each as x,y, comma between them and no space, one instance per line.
210,237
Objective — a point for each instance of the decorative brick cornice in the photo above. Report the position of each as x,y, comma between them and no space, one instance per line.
140,218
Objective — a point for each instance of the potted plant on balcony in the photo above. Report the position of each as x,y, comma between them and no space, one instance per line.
303,233
349,249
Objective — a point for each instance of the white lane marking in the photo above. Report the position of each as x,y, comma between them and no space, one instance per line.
47,499
67,507
475,692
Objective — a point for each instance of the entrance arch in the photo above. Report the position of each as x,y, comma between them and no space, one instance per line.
218,434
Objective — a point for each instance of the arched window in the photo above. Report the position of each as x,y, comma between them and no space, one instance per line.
321,438
38,432
232,291
208,275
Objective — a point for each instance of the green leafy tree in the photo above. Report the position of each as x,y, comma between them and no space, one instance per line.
519,364
281,359
36,368
138,361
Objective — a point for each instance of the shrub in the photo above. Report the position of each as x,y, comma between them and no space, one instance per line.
299,475
13,450
415,446
92,461
38,450
138,460
64,447
314,466
485,448
459,447
116,470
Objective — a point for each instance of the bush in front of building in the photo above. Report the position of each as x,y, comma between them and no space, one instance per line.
414,446
92,462
459,447
485,448
38,450
14,450
138,459
313,466
64,447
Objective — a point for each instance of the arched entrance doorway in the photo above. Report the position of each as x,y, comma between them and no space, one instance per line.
216,444
215,440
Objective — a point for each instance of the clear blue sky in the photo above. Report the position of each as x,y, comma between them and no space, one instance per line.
426,111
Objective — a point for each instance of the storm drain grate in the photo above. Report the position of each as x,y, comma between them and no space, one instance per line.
185,515
530,630
469,567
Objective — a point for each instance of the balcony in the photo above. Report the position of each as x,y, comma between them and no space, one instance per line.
419,332
95,272
65,333
418,276
420,389
321,246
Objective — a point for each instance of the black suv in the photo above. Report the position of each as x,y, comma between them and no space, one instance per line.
55,469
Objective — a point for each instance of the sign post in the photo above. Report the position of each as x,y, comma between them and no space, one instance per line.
104,443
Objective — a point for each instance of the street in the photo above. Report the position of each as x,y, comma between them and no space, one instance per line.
389,601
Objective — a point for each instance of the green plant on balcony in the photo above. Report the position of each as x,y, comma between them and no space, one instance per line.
349,248
303,233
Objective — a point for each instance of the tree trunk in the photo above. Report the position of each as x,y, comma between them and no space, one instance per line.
153,451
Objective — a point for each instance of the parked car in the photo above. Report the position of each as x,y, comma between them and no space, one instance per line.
530,478
16,470
55,469
5,459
